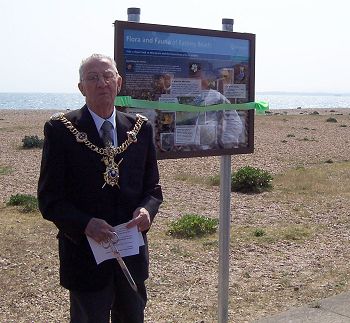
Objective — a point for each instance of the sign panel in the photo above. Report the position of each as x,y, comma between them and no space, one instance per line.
192,84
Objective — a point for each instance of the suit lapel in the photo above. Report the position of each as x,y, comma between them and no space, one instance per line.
123,126
85,123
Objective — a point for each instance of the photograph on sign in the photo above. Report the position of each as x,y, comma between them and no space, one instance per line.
194,77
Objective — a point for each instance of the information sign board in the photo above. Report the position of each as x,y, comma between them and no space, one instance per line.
194,85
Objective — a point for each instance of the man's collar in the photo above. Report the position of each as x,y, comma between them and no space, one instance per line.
98,120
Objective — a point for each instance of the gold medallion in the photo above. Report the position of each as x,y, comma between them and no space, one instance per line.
111,175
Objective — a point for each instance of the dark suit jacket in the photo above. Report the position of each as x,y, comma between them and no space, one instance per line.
70,193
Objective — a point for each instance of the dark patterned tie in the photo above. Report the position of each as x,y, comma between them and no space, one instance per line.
107,128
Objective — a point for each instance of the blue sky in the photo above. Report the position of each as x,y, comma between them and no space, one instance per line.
301,45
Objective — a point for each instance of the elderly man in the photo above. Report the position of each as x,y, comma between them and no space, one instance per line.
98,170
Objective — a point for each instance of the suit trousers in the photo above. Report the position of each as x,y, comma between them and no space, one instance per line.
117,301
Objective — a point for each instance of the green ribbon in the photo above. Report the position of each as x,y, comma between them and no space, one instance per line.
129,102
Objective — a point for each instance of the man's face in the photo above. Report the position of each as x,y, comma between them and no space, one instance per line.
100,84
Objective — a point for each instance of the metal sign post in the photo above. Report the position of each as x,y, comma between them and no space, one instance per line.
224,222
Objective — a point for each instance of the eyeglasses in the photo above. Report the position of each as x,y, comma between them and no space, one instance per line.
95,77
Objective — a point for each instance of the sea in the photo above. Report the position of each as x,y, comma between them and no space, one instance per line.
276,100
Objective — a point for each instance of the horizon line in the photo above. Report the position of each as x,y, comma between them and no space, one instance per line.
271,92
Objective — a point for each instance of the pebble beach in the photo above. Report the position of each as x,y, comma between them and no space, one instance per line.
282,140
265,278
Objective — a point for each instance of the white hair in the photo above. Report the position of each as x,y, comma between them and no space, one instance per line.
92,57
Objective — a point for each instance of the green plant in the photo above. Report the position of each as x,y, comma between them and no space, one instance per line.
259,232
4,170
214,180
28,202
251,180
32,142
331,120
192,225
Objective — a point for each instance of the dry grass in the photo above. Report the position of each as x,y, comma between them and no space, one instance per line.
28,262
301,256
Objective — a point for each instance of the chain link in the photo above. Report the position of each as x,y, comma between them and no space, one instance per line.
108,151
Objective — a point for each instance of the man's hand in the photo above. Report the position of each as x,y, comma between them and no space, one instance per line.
99,230
141,218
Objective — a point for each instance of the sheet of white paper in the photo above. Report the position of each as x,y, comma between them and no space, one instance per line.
128,244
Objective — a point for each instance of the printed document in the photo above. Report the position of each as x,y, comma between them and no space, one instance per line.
128,244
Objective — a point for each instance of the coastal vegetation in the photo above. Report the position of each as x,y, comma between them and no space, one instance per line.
27,203
32,142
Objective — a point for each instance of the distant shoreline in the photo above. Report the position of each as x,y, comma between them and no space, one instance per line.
276,100
257,92
297,109
303,93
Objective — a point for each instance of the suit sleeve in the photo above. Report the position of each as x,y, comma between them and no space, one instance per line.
152,192
53,202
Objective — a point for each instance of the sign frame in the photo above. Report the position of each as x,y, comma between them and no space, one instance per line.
121,27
